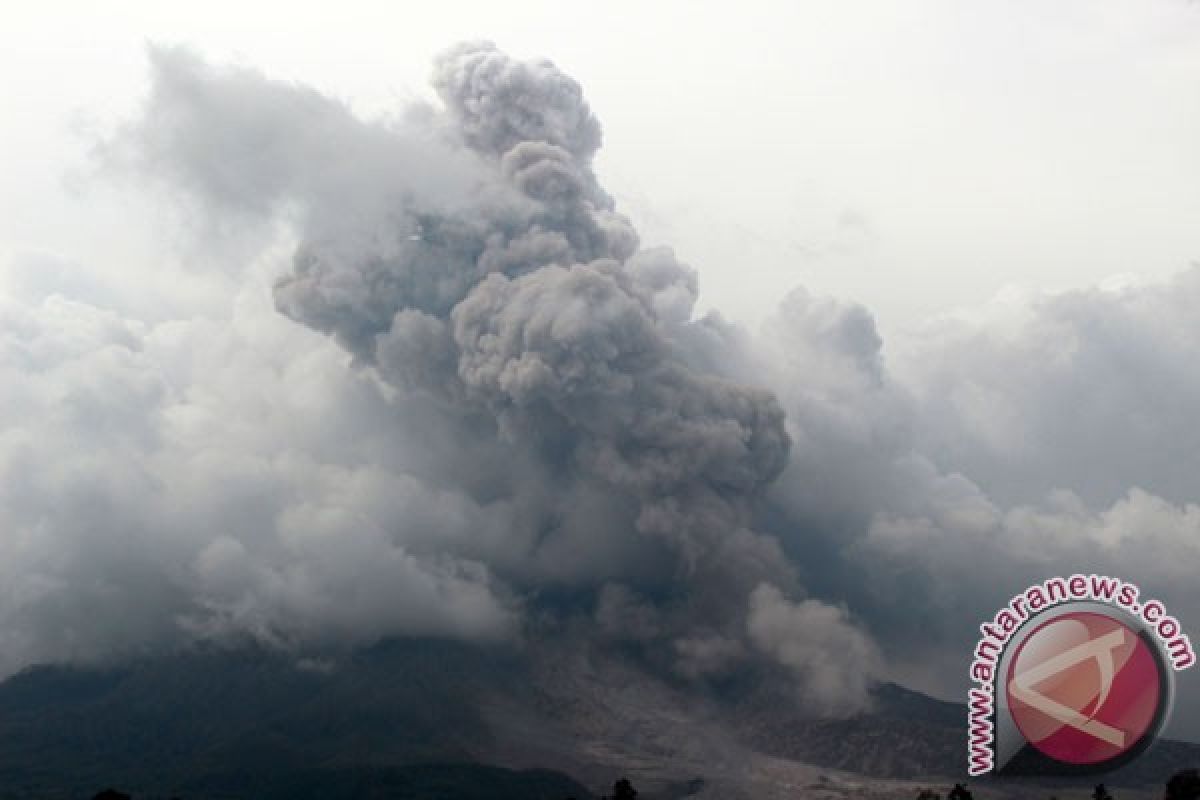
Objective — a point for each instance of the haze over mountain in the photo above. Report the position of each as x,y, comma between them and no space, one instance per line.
447,394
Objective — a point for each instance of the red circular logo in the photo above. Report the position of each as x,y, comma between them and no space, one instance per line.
1084,688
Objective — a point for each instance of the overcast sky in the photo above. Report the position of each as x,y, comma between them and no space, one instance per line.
913,156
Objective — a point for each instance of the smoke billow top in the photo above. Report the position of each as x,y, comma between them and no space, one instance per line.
473,405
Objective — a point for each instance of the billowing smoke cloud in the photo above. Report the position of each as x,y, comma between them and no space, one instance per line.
499,418
1041,435
815,640
190,478
527,431
516,309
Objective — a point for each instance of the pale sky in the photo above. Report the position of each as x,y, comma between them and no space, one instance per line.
912,156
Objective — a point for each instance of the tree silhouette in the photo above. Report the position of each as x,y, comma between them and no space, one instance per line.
960,792
623,790
928,794
1101,793
111,794
1184,785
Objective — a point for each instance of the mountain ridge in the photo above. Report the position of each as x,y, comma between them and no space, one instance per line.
197,723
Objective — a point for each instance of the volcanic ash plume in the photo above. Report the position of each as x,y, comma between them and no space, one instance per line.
468,255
